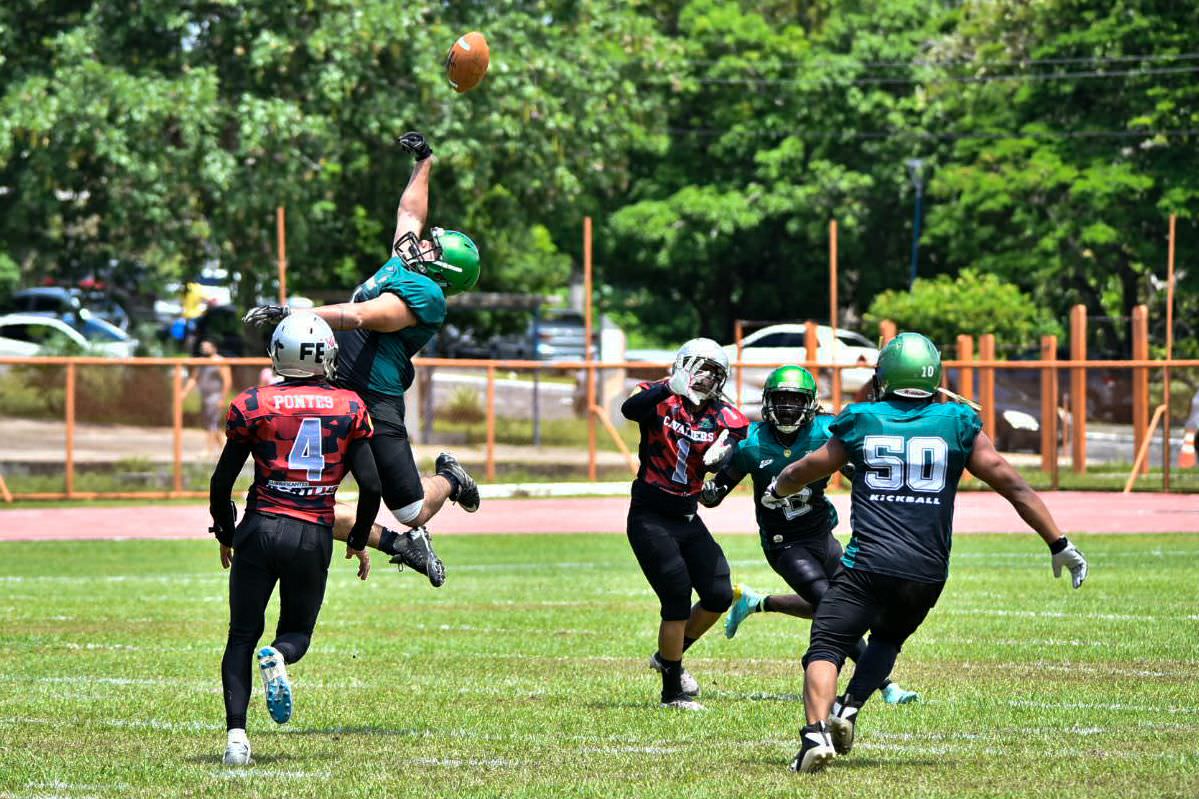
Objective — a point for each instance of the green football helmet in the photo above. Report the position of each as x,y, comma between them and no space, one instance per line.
452,262
909,366
789,398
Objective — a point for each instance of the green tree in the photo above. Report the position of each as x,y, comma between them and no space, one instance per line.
973,303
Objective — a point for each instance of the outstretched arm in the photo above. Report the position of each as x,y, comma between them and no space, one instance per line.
386,313
989,466
810,468
716,489
414,202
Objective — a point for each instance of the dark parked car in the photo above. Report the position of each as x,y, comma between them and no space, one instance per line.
1017,412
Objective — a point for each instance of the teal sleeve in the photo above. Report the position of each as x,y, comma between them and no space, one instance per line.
842,428
969,425
740,460
423,297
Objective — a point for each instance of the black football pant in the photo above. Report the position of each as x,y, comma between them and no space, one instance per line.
268,550
678,554
891,608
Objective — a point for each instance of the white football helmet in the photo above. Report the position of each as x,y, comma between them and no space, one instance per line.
303,346
709,364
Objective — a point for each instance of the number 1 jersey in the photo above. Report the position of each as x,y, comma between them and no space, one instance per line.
908,456
299,434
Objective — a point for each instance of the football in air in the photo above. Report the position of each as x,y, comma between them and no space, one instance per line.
467,61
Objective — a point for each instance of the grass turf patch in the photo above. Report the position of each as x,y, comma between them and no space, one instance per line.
525,676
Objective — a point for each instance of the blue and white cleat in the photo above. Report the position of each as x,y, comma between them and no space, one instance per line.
745,602
894,695
275,683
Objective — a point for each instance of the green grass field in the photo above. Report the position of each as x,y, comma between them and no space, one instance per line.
525,676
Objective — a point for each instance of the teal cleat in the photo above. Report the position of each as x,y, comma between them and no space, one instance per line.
275,683
894,695
745,602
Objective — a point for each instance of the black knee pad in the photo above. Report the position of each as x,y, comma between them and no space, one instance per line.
717,598
676,607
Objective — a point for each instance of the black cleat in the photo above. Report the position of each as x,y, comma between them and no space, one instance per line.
468,489
841,723
415,551
816,750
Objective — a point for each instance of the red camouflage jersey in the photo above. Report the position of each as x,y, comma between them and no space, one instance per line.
299,434
674,441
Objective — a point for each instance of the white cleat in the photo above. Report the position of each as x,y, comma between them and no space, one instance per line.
682,702
237,751
815,752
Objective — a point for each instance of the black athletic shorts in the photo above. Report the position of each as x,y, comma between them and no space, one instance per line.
807,565
891,608
393,452
677,554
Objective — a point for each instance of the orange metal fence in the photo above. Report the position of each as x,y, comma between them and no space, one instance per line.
580,382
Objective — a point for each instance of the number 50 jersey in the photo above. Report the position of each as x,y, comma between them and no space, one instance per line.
299,433
908,457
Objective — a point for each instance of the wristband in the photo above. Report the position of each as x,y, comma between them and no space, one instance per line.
1058,545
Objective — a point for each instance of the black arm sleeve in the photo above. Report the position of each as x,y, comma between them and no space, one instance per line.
362,466
640,406
220,489
728,478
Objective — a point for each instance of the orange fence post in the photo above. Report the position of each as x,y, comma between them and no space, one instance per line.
1078,389
1169,357
177,425
1140,379
737,333
5,494
70,413
986,383
587,292
886,331
1049,408
490,423
281,236
811,344
966,354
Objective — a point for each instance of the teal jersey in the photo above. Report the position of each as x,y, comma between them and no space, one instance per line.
762,455
371,361
908,457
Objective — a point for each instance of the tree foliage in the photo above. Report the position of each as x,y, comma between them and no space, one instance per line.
972,302
711,140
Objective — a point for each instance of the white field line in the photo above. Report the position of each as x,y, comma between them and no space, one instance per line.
270,773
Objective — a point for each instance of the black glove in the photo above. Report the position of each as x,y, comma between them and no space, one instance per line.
264,315
712,494
223,523
415,143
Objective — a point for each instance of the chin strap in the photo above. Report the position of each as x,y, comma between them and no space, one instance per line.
960,398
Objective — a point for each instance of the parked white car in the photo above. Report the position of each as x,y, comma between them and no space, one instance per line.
786,344
25,335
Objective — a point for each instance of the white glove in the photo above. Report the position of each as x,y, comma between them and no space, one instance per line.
1073,560
680,381
771,499
719,450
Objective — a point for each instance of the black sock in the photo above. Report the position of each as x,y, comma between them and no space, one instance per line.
687,642
387,541
455,484
764,605
874,667
672,677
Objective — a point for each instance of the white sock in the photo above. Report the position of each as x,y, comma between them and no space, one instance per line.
238,735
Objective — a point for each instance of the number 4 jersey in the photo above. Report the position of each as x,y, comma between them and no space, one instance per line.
299,434
908,457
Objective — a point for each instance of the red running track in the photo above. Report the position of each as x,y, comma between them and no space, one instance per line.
976,512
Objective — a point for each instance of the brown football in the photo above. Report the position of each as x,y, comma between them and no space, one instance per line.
467,61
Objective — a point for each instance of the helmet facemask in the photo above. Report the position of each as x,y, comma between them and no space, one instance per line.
408,249
788,409
708,377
